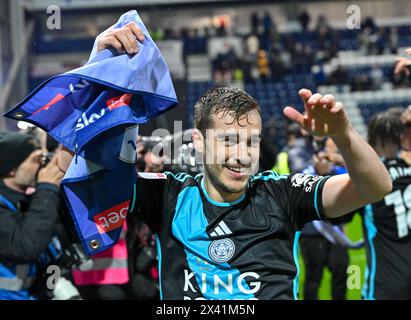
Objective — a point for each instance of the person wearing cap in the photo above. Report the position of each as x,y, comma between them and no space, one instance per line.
27,222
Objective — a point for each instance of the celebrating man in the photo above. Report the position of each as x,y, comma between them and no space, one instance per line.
231,234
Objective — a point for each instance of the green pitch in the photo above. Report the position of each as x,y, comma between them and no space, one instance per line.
357,257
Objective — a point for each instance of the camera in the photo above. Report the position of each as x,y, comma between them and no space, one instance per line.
46,158
182,153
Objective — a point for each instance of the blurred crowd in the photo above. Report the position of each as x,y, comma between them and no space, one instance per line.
268,55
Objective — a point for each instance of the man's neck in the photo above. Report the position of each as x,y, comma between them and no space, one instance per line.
220,196
11,183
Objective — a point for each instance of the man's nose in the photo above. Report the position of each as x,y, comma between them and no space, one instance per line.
243,154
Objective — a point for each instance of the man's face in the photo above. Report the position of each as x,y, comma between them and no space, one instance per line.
25,175
231,151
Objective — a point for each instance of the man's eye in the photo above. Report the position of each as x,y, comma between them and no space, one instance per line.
229,141
254,142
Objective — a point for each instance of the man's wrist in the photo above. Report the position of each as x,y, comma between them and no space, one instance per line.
344,139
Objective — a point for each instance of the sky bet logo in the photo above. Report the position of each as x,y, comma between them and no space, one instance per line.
113,103
112,218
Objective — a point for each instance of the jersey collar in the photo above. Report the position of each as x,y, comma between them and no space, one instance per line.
216,203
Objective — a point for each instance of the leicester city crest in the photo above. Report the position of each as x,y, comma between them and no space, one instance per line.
221,250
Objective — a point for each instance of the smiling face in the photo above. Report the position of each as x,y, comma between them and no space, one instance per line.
232,150
230,141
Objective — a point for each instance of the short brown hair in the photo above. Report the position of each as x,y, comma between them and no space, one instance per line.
385,127
233,101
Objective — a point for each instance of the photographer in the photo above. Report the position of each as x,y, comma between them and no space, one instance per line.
27,222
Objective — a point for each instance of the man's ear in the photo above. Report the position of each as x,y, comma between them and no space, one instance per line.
198,141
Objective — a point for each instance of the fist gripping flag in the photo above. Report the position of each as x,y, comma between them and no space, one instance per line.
95,111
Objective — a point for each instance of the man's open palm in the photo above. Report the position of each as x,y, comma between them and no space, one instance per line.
324,116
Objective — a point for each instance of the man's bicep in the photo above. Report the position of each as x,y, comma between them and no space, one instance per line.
340,196
305,200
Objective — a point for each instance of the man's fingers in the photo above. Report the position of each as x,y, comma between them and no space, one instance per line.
124,40
112,41
314,99
294,115
64,159
132,39
136,30
328,100
55,158
305,94
338,107
408,51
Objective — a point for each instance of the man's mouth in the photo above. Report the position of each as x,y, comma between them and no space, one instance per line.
237,170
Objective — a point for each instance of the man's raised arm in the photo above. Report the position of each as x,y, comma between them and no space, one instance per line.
123,40
367,180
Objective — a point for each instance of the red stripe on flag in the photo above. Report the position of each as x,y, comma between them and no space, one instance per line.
56,99
119,101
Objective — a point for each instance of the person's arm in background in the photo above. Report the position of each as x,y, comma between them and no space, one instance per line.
367,180
23,237
403,65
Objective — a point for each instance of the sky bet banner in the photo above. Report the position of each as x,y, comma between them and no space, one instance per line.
95,111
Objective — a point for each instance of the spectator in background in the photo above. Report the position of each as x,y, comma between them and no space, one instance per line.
268,24
327,39
299,151
268,151
298,58
27,222
252,44
364,40
304,20
263,65
255,22
225,63
385,222
393,40
406,137
376,77
324,244
382,40
361,82
369,23
338,77
277,65
282,165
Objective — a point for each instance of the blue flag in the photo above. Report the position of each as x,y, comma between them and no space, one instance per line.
95,111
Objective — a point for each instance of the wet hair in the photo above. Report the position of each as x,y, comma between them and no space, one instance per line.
396,111
385,128
232,101
406,118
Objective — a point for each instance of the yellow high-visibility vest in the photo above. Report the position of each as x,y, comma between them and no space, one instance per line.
281,165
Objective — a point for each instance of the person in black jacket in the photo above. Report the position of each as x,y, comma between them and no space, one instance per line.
27,222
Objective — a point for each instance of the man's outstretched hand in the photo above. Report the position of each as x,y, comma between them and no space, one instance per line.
324,116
